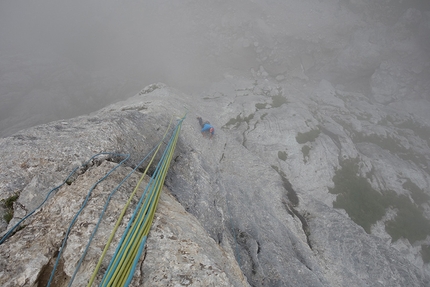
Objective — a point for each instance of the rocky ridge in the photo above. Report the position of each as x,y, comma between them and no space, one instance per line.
254,197
318,174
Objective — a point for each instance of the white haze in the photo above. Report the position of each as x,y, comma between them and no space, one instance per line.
59,59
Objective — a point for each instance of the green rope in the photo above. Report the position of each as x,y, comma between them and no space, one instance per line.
123,263
103,212
118,222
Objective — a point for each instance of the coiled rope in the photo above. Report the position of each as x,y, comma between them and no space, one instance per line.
123,263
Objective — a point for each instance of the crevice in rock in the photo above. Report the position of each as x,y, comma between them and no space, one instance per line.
293,212
305,225
287,207
334,137
291,194
177,158
244,137
60,277
94,162
141,278
246,120
236,122
222,156
249,263
219,237
78,172
144,254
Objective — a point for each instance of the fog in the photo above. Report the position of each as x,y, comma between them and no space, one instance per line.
145,41
60,59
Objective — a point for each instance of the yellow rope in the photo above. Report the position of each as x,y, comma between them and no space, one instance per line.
122,270
122,266
118,222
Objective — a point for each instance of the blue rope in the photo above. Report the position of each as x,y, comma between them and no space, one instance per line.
114,261
142,244
106,276
127,156
136,260
46,198
102,214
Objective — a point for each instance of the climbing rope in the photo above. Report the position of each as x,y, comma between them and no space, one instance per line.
138,228
127,156
123,263
102,214
50,192
93,276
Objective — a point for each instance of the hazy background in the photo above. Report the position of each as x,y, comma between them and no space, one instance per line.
59,59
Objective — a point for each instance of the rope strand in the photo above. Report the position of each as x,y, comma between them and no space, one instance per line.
122,265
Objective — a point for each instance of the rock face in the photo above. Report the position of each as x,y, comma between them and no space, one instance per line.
28,258
184,254
260,204
318,173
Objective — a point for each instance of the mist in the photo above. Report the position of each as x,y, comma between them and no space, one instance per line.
61,59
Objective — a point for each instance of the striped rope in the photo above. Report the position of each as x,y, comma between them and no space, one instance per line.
103,212
123,263
139,225
118,222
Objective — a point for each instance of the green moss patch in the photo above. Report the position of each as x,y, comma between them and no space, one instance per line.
417,193
278,101
8,216
263,116
8,204
305,150
309,136
392,145
409,222
365,205
387,143
420,130
238,120
282,155
260,106
234,121
425,253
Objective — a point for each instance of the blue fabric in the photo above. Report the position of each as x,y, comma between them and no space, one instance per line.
207,127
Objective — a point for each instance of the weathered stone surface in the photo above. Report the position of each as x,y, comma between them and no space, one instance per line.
322,127
251,198
364,258
198,259
182,255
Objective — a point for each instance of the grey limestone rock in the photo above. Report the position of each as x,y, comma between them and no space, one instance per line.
252,206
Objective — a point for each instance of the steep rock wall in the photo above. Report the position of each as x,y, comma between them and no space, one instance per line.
253,198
